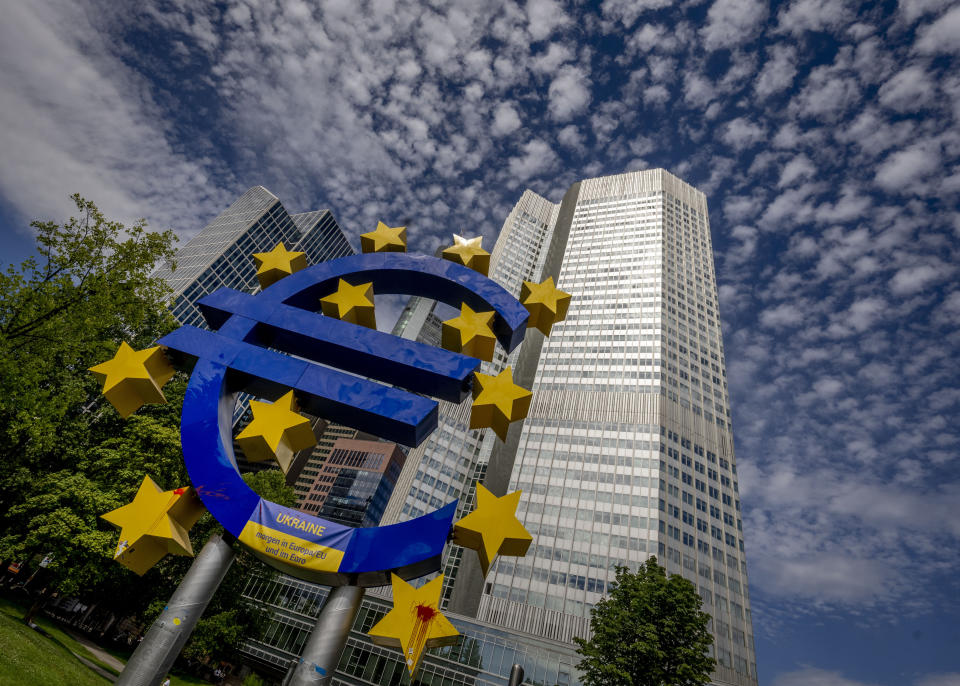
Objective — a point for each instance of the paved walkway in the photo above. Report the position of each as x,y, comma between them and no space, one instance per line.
97,651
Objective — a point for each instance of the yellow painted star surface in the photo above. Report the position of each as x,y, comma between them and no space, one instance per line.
469,253
157,522
278,431
493,528
470,333
133,378
415,622
385,239
497,402
352,304
278,263
546,304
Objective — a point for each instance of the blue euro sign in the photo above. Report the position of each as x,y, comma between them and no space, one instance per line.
269,343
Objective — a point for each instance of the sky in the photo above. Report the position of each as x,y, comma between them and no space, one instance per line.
824,134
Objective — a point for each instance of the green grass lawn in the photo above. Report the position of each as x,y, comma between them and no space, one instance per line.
27,657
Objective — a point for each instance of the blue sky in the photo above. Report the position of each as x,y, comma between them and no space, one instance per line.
824,134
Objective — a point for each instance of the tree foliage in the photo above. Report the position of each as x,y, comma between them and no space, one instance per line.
63,311
68,456
649,631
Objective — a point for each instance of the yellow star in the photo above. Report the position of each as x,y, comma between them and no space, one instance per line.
546,304
154,524
415,622
352,304
469,253
470,333
493,528
278,263
277,432
497,402
385,239
133,378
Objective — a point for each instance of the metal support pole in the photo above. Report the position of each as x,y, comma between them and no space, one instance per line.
322,652
156,653
516,675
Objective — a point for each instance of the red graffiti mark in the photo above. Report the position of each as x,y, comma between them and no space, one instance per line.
425,613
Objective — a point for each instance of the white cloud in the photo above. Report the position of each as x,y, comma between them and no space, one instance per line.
555,55
732,22
537,158
650,37
570,137
76,119
783,315
778,72
545,17
656,95
506,120
569,93
827,94
941,36
865,312
800,167
697,89
910,280
814,15
908,90
903,169
742,133
913,9
626,12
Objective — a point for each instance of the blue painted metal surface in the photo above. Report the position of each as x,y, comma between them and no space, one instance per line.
253,351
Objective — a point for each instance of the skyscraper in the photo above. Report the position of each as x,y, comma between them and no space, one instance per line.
221,254
627,451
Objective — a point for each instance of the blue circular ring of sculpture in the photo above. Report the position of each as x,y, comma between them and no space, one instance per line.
269,343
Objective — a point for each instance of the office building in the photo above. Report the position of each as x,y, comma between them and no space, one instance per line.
355,481
221,254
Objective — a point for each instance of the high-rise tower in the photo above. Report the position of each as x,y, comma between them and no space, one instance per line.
627,451
221,254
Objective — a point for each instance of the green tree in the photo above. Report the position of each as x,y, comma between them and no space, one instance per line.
649,631
62,311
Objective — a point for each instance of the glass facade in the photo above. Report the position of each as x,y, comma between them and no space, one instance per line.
221,254
482,655
450,462
627,451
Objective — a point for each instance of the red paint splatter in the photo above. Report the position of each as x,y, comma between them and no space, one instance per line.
179,491
425,613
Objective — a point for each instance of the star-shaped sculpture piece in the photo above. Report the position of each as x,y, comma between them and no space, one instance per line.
278,263
278,431
156,523
385,239
497,402
469,253
470,333
133,378
493,528
352,304
546,304
415,622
